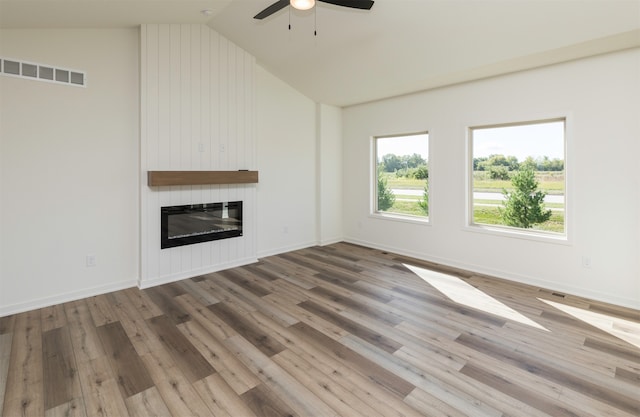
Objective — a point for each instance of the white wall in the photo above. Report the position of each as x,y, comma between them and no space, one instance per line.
75,152
329,173
286,138
86,152
599,96
197,114
69,168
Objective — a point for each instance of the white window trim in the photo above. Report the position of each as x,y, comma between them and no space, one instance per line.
512,232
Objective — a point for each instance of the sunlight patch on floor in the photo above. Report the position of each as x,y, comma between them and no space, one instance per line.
462,293
627,330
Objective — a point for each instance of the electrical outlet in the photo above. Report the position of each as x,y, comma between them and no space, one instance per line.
200,147
91,260
223,148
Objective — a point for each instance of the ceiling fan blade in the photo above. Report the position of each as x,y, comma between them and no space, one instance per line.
280,4
354,4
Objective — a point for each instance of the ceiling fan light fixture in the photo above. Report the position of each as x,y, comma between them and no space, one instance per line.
303,4
308,4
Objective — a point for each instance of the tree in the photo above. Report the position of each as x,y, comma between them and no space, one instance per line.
424,203
498,172
479,163
524,206
529,163
546,164
414,161
421,173
386,198
509,162
512,163
392,162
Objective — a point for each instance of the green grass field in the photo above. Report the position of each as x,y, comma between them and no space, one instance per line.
491,215
551,182
410,208
403,183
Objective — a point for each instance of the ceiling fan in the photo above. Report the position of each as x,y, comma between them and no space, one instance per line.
308,4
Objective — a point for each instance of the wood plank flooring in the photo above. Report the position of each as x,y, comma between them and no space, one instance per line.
340,330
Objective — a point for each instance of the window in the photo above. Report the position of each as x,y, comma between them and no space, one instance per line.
518,178
401,176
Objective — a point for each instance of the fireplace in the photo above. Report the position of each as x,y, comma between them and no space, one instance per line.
196,223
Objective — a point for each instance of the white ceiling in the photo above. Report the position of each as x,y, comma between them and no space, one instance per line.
398,47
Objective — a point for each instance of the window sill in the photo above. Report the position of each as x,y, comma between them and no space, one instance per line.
423,221
547,237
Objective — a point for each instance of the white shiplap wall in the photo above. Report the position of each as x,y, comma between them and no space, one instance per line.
197,113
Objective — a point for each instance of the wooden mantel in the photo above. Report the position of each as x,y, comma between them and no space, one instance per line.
163,178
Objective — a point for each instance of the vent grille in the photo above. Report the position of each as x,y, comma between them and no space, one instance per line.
41,72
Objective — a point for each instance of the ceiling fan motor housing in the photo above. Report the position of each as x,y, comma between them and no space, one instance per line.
308,4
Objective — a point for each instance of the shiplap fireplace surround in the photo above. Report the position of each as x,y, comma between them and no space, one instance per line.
197,144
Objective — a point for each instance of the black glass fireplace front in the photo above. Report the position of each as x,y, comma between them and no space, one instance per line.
196,223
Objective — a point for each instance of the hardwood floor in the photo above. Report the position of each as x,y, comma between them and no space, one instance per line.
340,330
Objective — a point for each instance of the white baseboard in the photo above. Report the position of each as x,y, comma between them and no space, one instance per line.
90,292
298,246
103,289
284,249
326,242
165,279
506,275
65,298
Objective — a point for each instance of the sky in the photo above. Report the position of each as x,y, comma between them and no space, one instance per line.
404,145
535,140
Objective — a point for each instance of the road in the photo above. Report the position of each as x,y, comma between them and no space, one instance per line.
481,196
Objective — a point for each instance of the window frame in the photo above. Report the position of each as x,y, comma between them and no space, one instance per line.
373,204
515,232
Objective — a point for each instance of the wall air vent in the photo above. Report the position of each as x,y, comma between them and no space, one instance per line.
40,72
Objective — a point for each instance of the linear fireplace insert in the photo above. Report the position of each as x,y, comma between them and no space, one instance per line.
196,223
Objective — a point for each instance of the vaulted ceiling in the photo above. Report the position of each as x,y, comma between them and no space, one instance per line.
397,47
